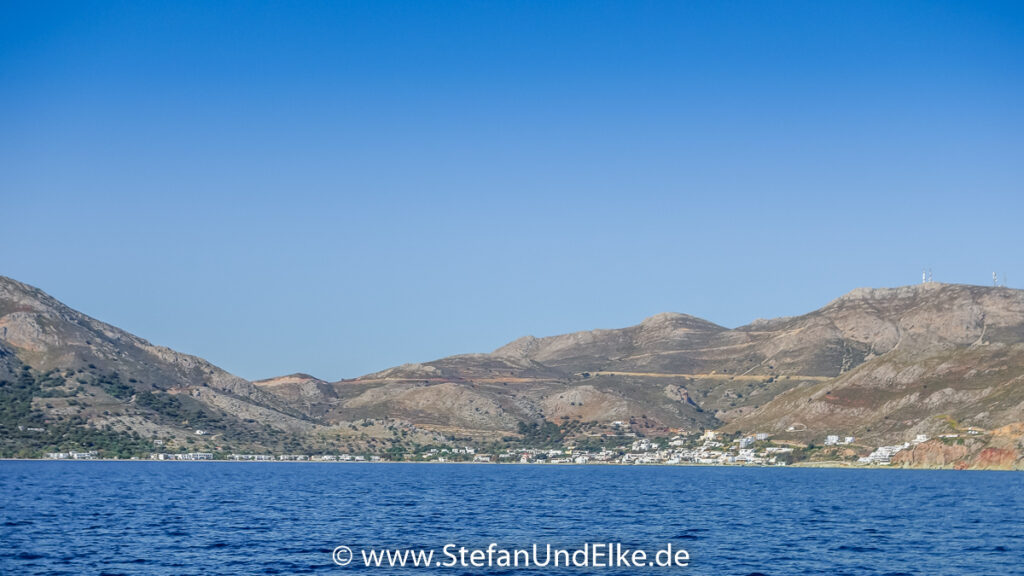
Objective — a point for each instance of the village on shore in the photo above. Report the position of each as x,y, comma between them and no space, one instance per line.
711,448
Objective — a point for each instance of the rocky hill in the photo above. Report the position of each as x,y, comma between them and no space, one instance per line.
941,358
882,365
86,376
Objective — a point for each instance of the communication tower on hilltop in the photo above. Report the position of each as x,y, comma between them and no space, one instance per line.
995,279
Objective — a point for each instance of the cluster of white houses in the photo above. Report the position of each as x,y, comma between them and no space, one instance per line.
884,454
301,458
677,450
447,454
72,455
710,448
188,456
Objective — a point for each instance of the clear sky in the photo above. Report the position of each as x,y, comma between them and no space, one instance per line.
340,187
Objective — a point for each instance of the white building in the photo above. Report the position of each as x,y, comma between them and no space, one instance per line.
883,454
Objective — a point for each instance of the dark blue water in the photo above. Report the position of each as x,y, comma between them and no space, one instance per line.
81,518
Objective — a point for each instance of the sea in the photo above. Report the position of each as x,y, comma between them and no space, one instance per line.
214,518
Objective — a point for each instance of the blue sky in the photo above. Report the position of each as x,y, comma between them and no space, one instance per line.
340,187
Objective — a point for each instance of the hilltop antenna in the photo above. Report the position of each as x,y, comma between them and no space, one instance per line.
995,279
930,279
924,276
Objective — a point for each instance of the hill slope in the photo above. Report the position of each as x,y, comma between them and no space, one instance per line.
882,365
84,377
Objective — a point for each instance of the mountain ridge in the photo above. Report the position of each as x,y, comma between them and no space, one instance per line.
862,364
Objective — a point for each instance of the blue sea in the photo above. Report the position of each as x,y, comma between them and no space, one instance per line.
179,518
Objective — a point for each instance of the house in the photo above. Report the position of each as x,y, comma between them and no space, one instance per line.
883,454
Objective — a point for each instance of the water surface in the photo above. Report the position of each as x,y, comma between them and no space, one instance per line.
171,518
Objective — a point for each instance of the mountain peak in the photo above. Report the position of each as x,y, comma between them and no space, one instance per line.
675,319
663,317
519,348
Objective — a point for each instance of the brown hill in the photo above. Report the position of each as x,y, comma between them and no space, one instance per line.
883,365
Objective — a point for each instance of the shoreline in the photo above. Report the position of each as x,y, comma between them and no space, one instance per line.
800,465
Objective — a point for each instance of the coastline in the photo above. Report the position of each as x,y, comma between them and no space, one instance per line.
831,465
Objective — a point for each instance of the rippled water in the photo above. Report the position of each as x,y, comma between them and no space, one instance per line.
169,518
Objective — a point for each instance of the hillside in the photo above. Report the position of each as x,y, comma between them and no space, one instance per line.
943,358
85,374
883,365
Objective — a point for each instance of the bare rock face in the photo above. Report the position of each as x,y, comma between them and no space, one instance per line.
997,459
932,454
990,452
677,393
